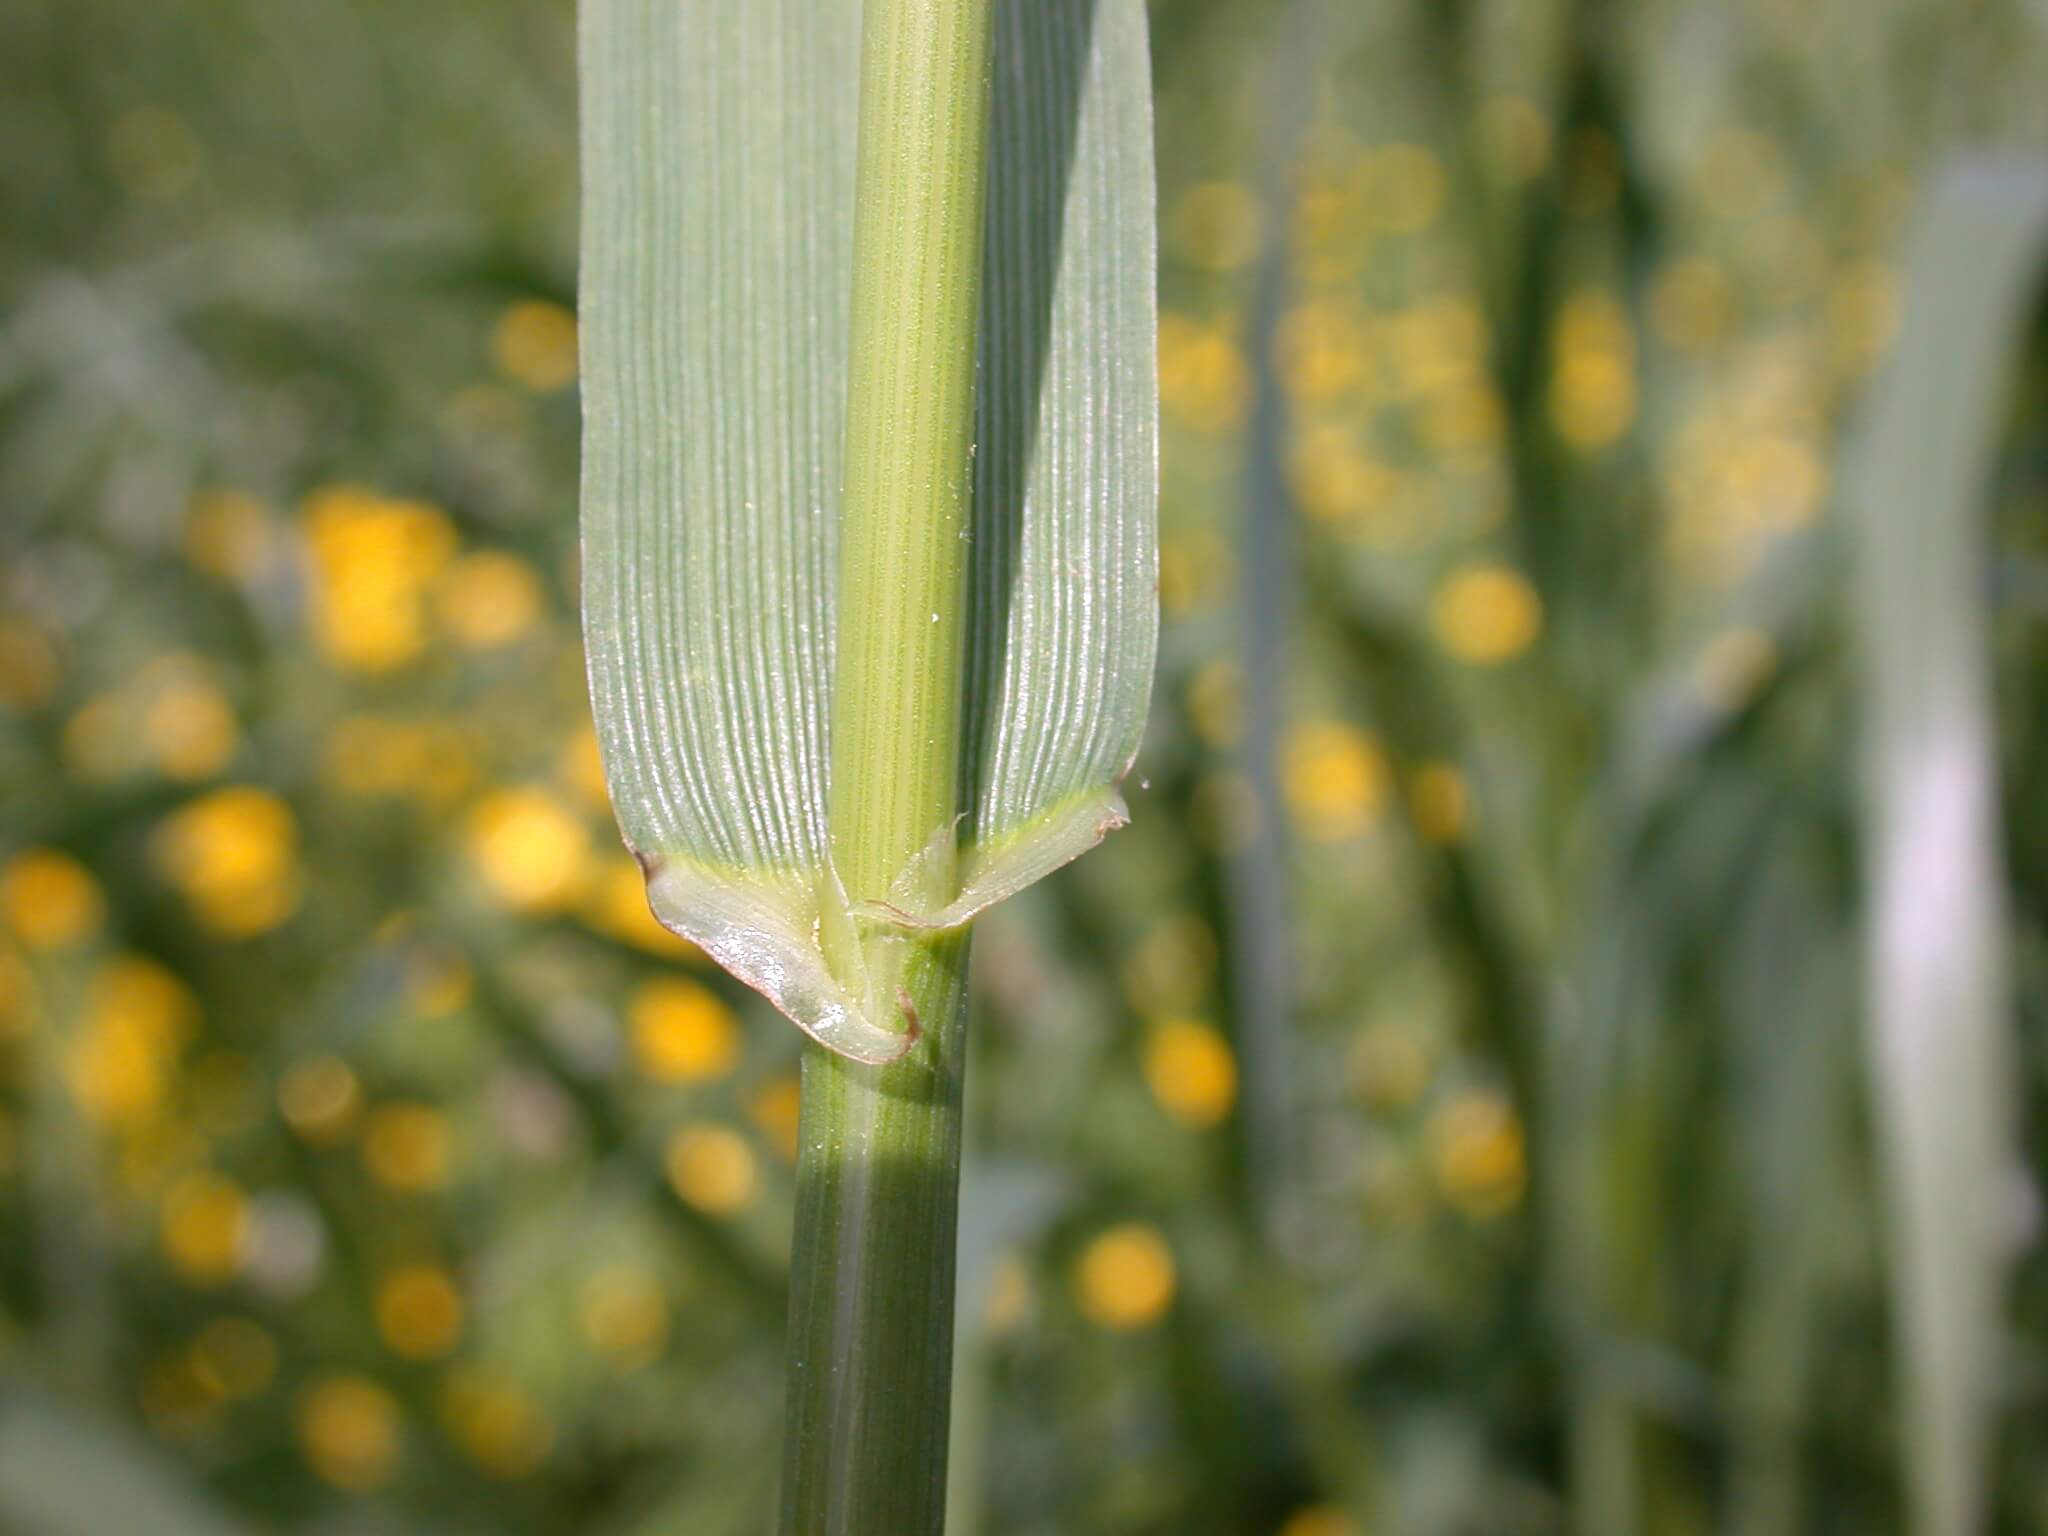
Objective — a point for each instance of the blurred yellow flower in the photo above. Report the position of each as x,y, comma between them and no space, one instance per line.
350,1430
1196,572
430,761
1216,702
618,907
1191,1072
531,850
489,599
1479,1157
534,344
1172,966
1320,351
233,854
624,1315
580,767
49,899
1486,614
319,1099
1440,802
1692,304
1125,1278
1321,1520
407,1147
1862,317
373,562
1389,1067
235,1357
1009,1296
1593,378
682,1032
1204,382
419,1311
188,726
28,665
711,1167
1215,224
1335,778
774,1107
497,1423
204,1227
229,535
118,1064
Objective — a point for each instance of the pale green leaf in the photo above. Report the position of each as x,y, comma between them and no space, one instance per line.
1939,1001
718,160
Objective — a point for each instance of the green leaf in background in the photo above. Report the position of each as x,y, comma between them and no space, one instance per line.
1936,966
718,185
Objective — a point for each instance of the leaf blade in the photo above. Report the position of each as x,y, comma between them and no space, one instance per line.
718,176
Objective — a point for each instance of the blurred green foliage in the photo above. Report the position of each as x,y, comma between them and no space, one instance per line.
1443,1111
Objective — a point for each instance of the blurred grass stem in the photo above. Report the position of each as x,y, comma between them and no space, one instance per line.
871,1305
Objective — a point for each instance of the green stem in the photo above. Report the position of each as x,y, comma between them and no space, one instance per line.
871,1296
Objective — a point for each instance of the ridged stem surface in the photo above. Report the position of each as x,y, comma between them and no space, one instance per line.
871,1305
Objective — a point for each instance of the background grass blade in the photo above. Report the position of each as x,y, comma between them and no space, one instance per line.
1936,967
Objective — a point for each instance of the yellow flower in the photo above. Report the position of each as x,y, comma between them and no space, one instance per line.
1191,1072
235,1357
419,1311
1320,1520
406,1147
350,1430
1216,703
580,767
1692,305
204,1228
1204,382
373,561
489,599
234,856
711,1168
618,907
1125,1278
682,1033
1480,1162
774,1108
1593,379
534,344
1336,780
137,1016
1486,614
430,761
530,849
49,899
1440,802
501,1428
1389,1067
28,665
188,726
229,535
1170,970
319,1099
624,1315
